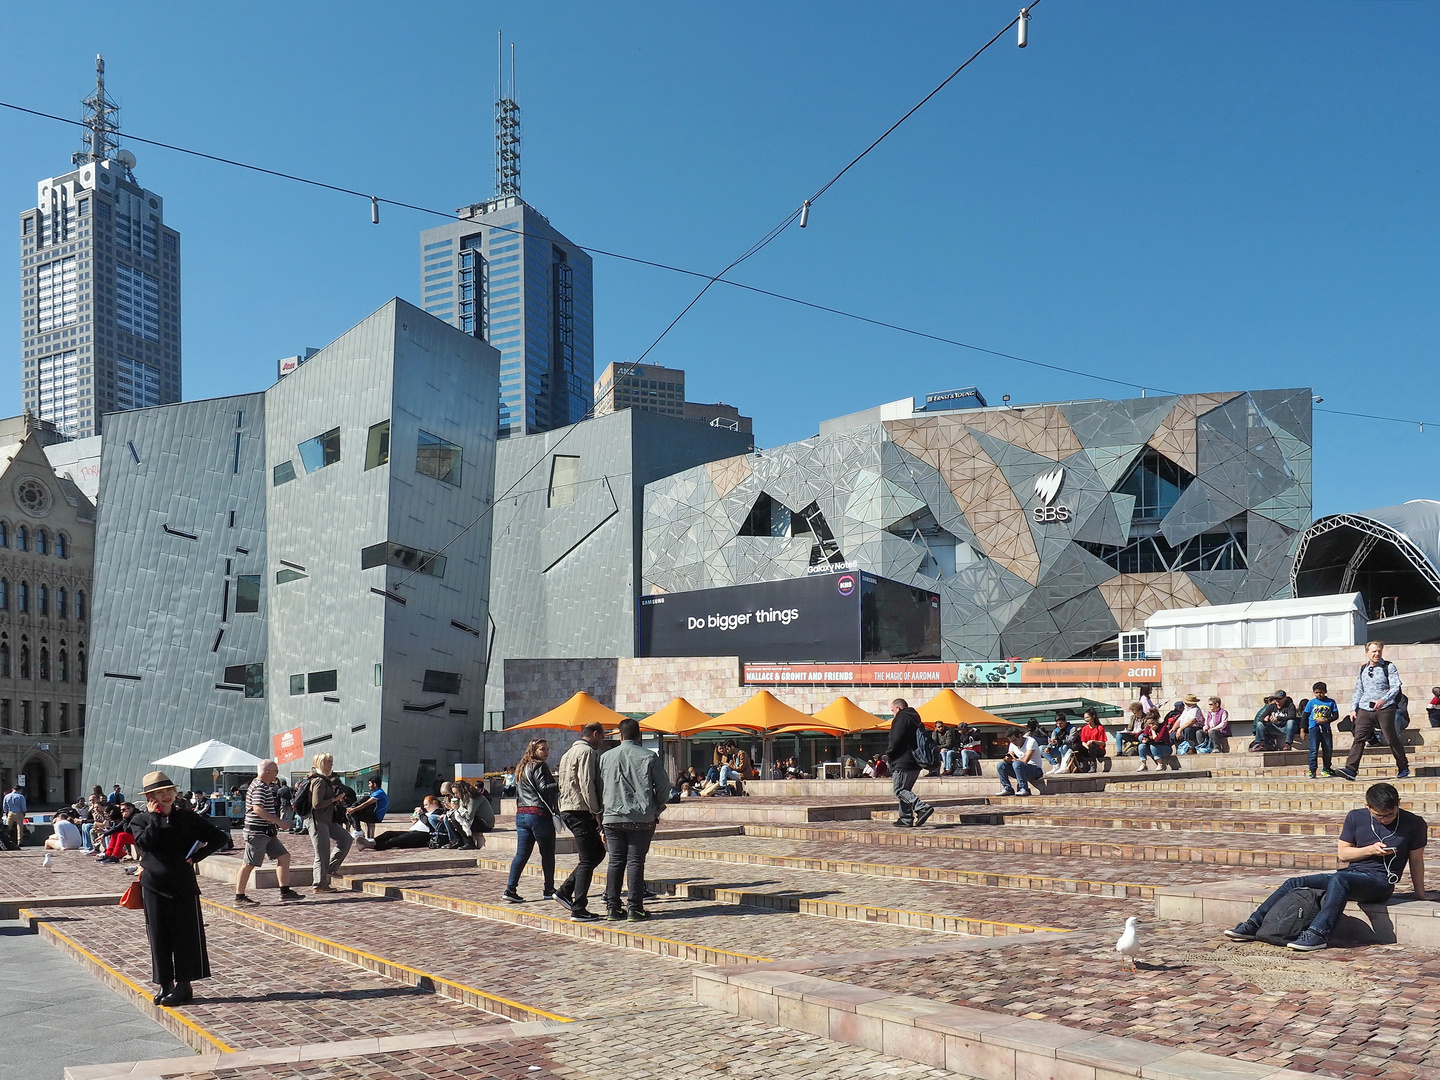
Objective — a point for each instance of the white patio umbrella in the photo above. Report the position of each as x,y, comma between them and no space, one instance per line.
212,754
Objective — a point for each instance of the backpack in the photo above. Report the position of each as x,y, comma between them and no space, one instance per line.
1291,914
304,802
926,754
1402,703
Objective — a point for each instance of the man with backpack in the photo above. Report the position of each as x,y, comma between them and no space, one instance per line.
317,797
1377,701
1376,843
911,750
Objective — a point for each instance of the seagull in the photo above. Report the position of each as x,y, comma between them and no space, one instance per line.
1129,943
46,862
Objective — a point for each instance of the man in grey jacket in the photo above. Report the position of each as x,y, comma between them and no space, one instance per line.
635,789
580,810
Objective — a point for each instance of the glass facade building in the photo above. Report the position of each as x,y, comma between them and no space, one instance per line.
100,298
505,275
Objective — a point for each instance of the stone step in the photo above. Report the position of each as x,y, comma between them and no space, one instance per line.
933,788
1279,787
1196,820
248,1003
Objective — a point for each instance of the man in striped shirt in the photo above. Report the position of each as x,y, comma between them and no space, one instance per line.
262,828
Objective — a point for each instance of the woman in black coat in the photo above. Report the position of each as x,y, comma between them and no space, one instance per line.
171,841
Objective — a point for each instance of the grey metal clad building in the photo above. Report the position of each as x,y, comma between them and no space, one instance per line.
505,275
567,541
1046,529
179,639
346,479
100,287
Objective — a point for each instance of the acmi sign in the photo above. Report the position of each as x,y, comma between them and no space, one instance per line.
1047,487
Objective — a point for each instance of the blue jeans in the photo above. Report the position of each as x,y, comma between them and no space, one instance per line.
1053,756
440,824
1340,887
532,829
1266,732
1154,752
947,760
969,759
1320,736
85,835
1022,772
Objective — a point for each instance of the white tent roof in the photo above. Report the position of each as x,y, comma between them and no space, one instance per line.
212,754
1298,607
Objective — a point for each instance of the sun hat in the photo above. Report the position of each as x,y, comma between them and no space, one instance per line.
1191,699
155,781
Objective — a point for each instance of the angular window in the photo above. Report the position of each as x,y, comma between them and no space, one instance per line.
42,600
282,576
62,546
247,593
320,451
42,543
22,597
283,473
1157,484
438,458
322,682
377,446
441,682
297,685
564,479
62,666
22,538
399,555
250,676
60,603
80,605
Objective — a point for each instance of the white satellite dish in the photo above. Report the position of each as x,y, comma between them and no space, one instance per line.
125,158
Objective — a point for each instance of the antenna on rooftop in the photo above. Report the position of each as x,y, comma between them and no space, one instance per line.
507,127
101,120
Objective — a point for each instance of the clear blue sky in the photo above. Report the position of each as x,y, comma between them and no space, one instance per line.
1198,197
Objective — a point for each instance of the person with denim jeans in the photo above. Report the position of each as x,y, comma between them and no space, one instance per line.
1377,843
1021,764
535,791
1320,712
1154,743
634,788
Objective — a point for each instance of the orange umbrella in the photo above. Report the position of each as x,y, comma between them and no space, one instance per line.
845,715
954,709
812,728
580,710
677,718
763,712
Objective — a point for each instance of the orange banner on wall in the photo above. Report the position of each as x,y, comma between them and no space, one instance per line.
288,746
980,673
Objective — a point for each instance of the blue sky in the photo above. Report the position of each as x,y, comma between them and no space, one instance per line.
1194,197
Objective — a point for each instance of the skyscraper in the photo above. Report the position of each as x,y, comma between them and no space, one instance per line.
100,286
505,275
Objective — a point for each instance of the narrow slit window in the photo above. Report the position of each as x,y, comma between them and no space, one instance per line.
283,576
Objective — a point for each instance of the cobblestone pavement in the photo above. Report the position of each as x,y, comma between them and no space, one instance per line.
558,974
645,1046
1345,1012
265,992
70,874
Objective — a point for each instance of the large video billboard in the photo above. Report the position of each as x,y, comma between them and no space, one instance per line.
834,618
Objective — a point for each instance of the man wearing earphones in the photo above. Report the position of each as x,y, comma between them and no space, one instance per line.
1377,842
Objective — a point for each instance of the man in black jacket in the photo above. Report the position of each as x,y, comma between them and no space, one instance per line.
904,769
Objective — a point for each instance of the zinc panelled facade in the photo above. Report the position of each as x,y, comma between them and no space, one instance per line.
100,298
505,275
181,531
1046,529
47,551
567,542
375,453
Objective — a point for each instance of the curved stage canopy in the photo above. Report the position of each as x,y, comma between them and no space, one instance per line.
1391,556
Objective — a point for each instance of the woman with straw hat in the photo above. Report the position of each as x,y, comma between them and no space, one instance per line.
171,841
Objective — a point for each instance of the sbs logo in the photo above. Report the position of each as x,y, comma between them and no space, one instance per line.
1047,486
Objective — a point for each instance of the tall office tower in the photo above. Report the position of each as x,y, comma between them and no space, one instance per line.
503,274
99,286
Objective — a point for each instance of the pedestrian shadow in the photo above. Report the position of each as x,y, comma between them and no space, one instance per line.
425,989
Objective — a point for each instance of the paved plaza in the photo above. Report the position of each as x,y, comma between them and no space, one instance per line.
796,935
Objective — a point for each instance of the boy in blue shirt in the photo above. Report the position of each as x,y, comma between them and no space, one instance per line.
1320,712
369,811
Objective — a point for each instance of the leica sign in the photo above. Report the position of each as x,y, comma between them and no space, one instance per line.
1047,487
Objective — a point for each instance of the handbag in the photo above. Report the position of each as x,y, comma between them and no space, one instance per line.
131,899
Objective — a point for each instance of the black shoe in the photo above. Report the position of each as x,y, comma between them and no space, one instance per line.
241,898
899,824
923,816
288,893
638,914
565,899
160,994
581,914
1345,774
1246,931
513,896
616,914
181,995
651,894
